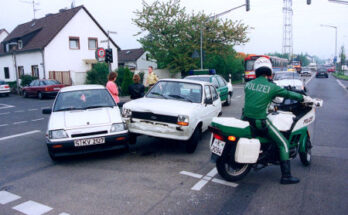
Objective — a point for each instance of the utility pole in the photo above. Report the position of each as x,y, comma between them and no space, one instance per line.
287,28
334,27
108,41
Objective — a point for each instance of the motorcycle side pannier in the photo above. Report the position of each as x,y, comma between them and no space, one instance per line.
232,126
247,150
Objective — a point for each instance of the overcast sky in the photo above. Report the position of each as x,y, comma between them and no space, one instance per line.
265,17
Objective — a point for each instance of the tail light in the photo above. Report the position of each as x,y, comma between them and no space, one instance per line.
6,86
219,137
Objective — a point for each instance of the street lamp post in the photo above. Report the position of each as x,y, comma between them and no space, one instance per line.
214,17
335,27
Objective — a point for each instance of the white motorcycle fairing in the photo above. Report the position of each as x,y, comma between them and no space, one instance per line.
282,120
305,120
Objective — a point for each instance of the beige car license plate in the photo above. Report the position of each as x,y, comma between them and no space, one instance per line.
90,141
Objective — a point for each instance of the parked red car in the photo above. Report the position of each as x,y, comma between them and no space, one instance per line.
42,88
331,69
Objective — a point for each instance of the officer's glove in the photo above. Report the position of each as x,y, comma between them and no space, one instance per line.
308,99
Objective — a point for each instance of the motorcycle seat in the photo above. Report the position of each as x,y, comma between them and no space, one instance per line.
232,126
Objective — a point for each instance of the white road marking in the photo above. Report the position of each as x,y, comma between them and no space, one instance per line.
4,113
238,97
45,107
191,174
19,135
219,181
20,122
342,85
3,125
4,106
199,185
64,214
7,197
309,80
34,109
19,111
32,208
209,177
34,120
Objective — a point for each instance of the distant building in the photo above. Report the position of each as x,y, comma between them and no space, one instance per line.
135,59
60,46
3,34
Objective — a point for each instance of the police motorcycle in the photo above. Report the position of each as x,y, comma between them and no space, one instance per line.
236,147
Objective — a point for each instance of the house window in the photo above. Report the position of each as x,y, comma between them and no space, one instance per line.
20,44
92,43
74,42
6,73
35,71
20,71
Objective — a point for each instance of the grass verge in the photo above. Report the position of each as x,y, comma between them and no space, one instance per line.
340,76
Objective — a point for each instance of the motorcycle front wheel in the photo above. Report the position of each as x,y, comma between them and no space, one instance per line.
231,170
306,156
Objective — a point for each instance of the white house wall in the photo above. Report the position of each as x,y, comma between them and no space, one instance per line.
3,35
23,59
6,61
59,57
143,64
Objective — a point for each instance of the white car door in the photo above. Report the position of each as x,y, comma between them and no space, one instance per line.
216,101
208,109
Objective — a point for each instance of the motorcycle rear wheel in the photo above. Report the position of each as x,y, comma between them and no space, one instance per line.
231,170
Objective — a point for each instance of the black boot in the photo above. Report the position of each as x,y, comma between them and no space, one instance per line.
286,174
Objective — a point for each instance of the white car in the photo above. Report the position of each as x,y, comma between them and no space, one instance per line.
4,88
174,109
84,119
292,79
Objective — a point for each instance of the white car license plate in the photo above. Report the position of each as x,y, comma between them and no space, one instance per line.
88,142
217,147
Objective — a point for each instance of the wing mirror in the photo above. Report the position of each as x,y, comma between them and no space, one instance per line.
208,101
46,111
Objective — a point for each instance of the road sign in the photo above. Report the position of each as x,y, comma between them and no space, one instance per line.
100,54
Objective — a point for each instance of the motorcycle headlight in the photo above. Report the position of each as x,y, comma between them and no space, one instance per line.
126,113
183,120
57,134
117,127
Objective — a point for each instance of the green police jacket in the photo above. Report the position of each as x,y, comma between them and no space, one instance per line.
259,94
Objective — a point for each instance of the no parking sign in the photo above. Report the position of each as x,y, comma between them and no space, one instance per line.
100,54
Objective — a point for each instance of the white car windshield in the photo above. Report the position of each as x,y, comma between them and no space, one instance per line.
177,91
286,75
83,99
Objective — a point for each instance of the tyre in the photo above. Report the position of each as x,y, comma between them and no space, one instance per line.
40,95
306,156
25,94
192,143
53,156
228,100
231,170
7,94
132,139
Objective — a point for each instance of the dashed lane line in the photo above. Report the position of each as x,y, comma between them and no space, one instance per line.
19,111
342,85
5,113
5,106
34,109
32,208
19,135
34,120
3,125
7,197
20,122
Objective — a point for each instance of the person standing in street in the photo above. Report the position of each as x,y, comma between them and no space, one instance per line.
151,77
136,90
112,87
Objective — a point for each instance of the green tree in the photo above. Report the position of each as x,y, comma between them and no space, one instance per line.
127,79
343,58
172,35
98,74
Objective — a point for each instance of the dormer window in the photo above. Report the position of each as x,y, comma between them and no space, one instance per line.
20,44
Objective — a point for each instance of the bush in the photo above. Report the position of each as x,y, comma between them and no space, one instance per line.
27,79
127,79
141,74
98,74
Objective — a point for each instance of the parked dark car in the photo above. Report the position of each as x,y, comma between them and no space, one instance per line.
42,88
322,72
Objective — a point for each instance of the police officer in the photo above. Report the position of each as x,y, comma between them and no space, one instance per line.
259,93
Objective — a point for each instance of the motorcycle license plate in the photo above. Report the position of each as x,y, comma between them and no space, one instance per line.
217,147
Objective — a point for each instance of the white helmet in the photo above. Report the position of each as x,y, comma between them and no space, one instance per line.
263,66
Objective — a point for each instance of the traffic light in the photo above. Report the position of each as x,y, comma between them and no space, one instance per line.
247,5
108,56
309,2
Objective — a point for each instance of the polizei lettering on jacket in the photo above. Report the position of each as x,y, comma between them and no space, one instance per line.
258,87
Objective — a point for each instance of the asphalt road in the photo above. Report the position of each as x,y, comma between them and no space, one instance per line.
151,179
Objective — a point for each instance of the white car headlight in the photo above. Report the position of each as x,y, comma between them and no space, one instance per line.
126,113
117,127
183,120
57,134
